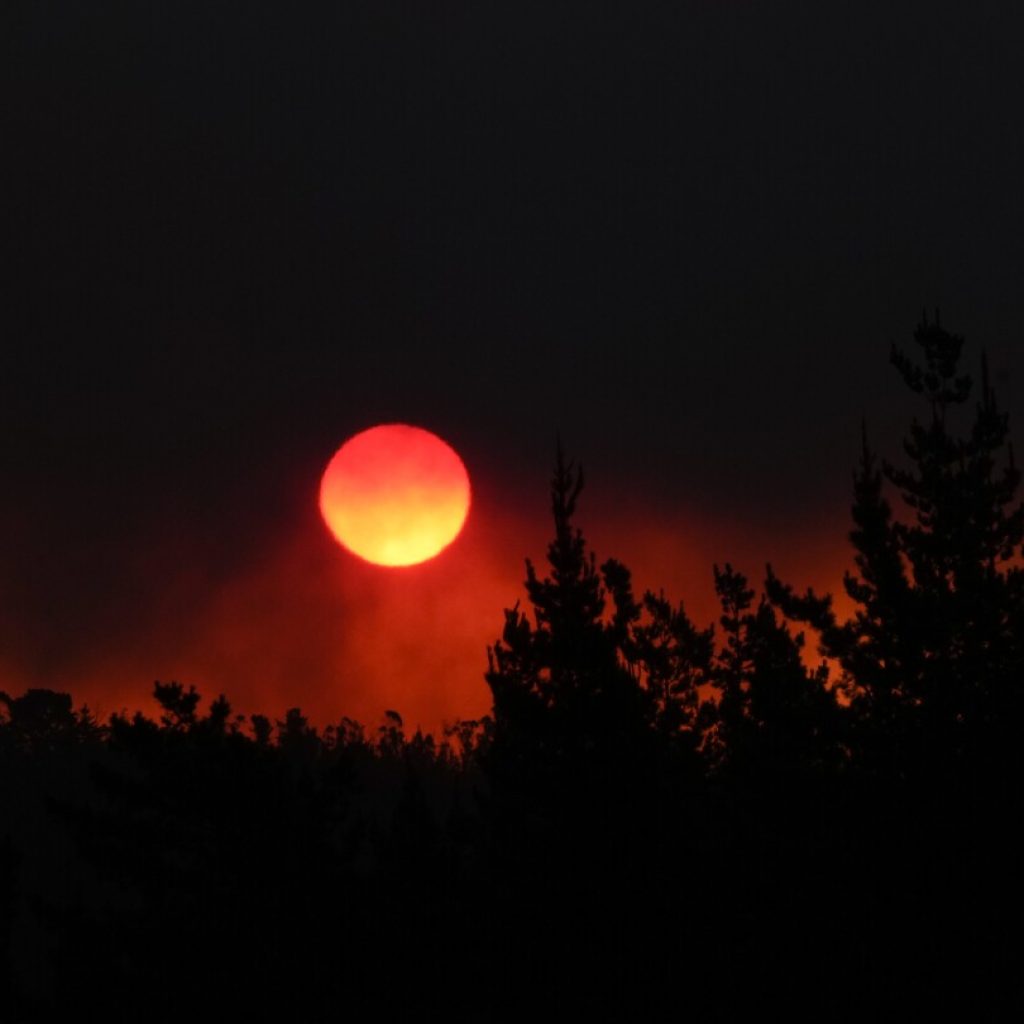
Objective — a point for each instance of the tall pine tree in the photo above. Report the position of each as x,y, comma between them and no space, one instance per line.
932,658
566,705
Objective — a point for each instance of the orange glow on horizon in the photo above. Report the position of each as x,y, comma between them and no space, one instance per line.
395,495
292,626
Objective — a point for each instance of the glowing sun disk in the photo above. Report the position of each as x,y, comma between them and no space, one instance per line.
395,495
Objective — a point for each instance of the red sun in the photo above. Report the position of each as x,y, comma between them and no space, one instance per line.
395,495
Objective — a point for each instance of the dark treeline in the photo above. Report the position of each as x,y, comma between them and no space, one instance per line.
658,815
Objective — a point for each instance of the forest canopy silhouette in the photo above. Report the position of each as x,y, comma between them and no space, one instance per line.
783,803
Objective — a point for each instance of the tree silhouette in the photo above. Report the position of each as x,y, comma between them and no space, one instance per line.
565,701
672,659
774,714
932,658
179,706
41,720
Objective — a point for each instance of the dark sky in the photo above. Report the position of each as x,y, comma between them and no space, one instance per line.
682,234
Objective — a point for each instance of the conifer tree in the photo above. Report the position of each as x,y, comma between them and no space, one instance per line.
672,659
599,692
774,714
932,658
564,699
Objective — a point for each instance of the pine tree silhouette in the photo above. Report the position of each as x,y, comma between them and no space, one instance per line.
774,714
672,659
566,704
932,658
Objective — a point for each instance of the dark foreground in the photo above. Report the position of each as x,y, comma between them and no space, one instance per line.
151,872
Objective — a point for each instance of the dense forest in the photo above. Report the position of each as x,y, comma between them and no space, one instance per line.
783,812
